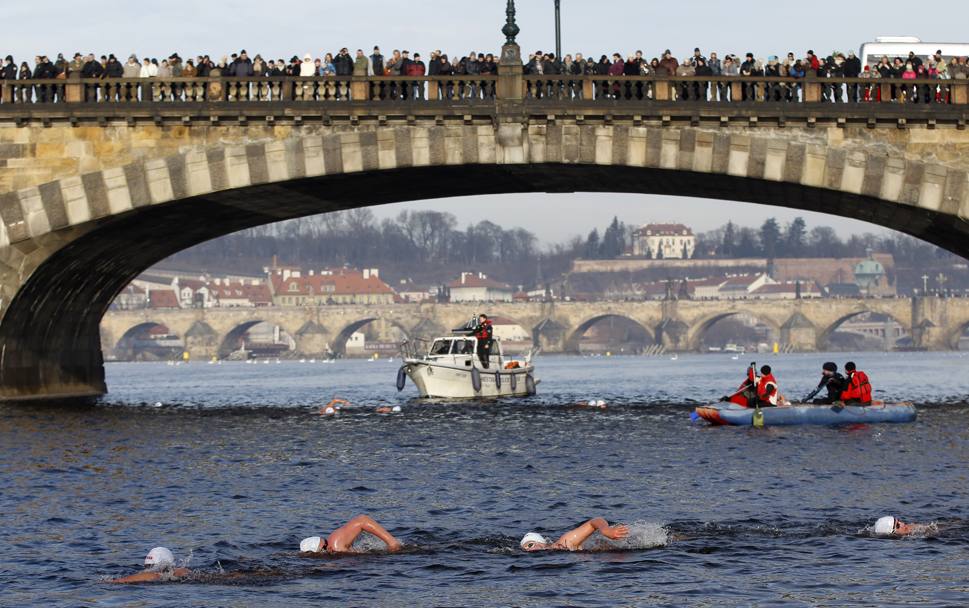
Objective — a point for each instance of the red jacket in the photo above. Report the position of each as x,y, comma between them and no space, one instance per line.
767,389
484,330
859,388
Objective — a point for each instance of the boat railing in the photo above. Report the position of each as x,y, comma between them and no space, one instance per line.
414,348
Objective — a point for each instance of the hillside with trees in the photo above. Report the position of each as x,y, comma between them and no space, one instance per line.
429,248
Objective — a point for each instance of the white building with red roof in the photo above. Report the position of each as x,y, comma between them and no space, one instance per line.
477,287
329,286
663,241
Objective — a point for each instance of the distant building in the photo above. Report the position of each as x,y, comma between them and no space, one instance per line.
329,286
874,275
131,297
410,292
869,275
787,291
739,287
476,287
663,241
241,294
162,298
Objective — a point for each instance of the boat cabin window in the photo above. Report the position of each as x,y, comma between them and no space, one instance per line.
463,347
441,347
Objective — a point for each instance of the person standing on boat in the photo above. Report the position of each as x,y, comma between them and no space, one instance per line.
858,391
484,333
831,380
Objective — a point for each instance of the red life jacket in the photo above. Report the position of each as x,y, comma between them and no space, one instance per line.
859,388
767,389
740,397
484,330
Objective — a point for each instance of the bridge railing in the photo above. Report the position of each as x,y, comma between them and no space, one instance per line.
735,89
252,89
466,88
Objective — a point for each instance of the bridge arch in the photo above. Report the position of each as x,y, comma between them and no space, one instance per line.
573,342
824,337
135,344
339,345
700,328
955,338
83,238
233,339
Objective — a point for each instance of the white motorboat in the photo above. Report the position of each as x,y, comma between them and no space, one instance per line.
451,369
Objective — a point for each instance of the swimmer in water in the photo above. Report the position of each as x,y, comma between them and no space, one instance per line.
334,406
573,539
342,539
159,566
892,526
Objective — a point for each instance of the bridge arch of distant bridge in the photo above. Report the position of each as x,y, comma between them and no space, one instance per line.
575,335
556,326
144,181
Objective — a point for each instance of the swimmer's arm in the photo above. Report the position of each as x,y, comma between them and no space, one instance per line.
141,577
150,577
574,538
371,526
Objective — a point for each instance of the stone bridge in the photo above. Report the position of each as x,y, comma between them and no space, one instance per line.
935,323
116,176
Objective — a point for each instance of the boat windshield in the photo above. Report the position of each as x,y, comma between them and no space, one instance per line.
441,347
463,347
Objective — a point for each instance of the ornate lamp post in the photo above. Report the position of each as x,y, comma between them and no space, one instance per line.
558,29
510,66
511,28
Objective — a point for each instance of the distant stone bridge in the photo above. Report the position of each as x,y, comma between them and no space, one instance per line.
805,325
97,188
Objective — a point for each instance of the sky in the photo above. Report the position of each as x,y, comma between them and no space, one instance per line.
282,30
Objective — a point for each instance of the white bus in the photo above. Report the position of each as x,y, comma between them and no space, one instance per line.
900,46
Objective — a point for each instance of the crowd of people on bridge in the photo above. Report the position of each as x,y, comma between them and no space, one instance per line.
719,71
412,71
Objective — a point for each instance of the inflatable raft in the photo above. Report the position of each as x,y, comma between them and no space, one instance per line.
735,415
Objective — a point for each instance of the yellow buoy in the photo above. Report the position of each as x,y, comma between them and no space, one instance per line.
186,356
777,348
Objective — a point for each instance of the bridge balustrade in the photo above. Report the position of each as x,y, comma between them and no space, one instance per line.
735,89
720,90
135,91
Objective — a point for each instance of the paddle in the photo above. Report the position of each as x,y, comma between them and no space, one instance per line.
744,387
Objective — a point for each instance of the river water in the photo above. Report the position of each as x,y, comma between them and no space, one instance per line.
230,466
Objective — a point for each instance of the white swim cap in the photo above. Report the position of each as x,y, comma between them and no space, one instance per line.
329,411
533,537
601,403
159,558
396,409
313,544
885,525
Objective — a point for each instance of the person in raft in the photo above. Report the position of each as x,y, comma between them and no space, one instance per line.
757,390
573,539
159,566
341,540
858,391
831,380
